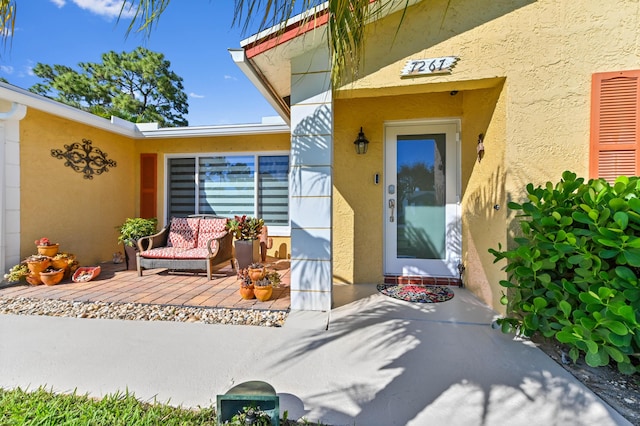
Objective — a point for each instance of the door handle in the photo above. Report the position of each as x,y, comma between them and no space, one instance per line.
392,206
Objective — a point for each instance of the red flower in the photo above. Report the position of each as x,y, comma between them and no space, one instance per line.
43,242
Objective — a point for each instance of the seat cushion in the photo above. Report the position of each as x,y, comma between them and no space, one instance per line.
162,253
183,232
195,253
209,229
174,253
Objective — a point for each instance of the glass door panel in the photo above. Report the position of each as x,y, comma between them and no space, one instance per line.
421,201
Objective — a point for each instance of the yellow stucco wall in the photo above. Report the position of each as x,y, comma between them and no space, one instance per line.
58,203
359,209
82,214
524,78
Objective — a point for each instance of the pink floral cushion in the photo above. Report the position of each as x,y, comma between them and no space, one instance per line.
183,232
195,253
161,253
211,229
175,253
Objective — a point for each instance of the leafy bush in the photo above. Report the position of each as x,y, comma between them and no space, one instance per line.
135,228
573,274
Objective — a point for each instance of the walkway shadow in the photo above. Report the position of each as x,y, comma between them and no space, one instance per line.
399,363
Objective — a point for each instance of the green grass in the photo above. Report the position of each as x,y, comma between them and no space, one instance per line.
43,408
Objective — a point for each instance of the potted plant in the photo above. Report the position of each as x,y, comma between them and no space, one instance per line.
246,231
51,276
46,247
130,232
263,288
17,273
246,285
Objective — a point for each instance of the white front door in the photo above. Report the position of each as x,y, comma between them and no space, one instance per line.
422,193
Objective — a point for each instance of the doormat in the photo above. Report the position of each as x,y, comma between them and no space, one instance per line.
416,293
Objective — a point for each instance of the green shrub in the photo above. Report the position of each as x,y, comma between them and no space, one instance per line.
573,273
135,228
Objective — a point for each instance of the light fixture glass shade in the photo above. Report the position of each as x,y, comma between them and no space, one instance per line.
361,143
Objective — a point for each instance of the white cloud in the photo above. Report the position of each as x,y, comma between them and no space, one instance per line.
229,77
7,69
195,95
30,71
58,3
107,8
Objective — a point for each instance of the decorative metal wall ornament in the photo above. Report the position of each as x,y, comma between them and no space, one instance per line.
85,159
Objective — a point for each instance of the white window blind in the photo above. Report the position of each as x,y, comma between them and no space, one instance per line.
229,185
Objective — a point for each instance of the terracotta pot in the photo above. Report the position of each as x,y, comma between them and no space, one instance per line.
263,292
247,292
50,250
60,263
52,278
38,266
256,274
34,279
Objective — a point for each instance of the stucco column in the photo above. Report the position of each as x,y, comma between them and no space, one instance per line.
10,184
310,181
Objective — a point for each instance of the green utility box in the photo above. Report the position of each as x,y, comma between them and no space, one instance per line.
249,394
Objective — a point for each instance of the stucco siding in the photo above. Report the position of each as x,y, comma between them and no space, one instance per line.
59,203
523,80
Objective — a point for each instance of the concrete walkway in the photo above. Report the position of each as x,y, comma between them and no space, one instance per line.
381,362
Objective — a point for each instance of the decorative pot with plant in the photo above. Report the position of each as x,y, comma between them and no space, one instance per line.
37,263
256,271
17,273
51,276
130,232
46,247
246,231
62,260
263,288
246,285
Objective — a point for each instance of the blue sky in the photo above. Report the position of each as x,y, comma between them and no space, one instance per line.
194,36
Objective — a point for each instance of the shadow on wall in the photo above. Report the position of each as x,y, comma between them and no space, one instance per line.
486,226
435,22
311,177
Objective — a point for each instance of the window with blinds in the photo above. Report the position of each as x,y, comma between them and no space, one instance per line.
255,185
615,125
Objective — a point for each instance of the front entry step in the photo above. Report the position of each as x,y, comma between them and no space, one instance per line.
419,280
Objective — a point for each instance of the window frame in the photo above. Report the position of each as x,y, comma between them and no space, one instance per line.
273,230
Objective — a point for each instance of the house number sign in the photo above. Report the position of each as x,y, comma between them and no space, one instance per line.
442,65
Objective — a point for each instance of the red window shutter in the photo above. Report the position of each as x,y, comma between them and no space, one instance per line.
615,125
148,189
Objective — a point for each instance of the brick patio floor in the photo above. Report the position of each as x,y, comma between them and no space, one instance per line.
160,287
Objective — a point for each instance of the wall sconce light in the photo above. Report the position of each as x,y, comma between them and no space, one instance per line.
361,143
480,147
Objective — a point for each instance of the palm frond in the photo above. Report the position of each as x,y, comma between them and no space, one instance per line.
144,14
7,19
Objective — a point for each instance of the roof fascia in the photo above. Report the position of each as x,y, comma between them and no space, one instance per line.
291,24
125,128
24,97
226,130
260,82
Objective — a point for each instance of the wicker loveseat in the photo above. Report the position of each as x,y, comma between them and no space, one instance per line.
198,242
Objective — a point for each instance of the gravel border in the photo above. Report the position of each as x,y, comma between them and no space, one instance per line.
141,312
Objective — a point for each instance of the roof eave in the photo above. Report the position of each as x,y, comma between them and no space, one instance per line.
29,99
262,84
223,130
